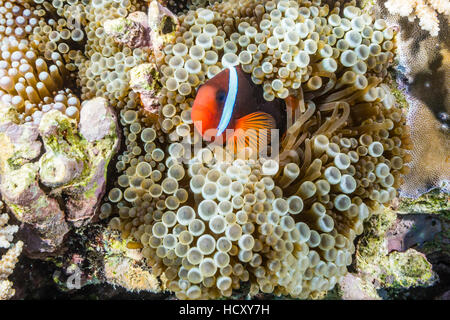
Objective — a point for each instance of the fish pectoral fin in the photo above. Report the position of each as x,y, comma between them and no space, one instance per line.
256,120
253,130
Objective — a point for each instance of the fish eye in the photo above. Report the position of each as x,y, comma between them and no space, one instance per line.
221,96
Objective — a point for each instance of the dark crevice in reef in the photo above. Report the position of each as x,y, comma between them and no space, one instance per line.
44,188
50,277
113,173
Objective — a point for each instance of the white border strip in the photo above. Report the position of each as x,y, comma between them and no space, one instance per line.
229,102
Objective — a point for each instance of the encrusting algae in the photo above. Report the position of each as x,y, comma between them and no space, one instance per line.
208,222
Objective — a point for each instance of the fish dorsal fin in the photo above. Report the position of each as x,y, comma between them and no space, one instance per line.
253,130
230,101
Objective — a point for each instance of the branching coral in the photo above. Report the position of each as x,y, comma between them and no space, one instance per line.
286,227
6,231
7,264
425,10
10,258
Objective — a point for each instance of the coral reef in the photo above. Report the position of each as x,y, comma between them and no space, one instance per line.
432,202
412,230
357,288
193,218
72,167
7,263
10,258
7,231
47,48
430,161
286,227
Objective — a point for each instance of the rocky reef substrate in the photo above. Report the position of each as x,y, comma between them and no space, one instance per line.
53,175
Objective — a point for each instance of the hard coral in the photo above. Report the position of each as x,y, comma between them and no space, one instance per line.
422,76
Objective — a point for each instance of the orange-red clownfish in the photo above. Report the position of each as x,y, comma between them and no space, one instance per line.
230,100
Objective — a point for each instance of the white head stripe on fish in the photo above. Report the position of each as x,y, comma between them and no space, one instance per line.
229,102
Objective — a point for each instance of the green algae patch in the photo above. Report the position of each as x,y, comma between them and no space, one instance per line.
433,202
60,135
408,269
399,96
61,139
17,210
145,77
118,25
15,162
8,114
91,192
372,247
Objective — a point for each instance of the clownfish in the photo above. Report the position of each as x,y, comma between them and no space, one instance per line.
230,100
